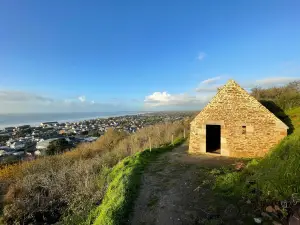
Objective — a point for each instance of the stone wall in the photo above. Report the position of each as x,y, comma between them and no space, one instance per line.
232,108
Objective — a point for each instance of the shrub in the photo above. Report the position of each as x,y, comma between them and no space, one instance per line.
286,97
58,146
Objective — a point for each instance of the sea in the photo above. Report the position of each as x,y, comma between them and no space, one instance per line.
35,119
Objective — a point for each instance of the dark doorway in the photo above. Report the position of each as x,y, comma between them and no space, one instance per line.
213,138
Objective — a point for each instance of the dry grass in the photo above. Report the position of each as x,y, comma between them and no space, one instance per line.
67,186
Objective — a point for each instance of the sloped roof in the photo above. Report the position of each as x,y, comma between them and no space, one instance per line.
231,84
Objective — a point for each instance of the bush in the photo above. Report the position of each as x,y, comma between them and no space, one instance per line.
58,146
286,97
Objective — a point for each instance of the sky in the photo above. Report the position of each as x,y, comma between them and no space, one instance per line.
138,55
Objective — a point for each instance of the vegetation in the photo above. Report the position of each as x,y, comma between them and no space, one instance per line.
23,132
294,115
58,146
285,97
66,187
124,181
4,138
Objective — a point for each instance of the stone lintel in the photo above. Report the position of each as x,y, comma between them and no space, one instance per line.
217,122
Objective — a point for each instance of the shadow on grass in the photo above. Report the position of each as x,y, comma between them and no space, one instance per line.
279,113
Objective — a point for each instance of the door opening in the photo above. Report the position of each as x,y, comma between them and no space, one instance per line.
213,138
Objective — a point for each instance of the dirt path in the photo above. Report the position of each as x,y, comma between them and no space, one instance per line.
171,192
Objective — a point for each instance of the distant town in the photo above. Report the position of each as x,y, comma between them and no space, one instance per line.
28,142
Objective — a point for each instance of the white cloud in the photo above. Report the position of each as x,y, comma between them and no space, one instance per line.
165,99
82,98
213,88
20,96
211,80
68,101
276,81
201,56
208,89
209,85
268,82
14,101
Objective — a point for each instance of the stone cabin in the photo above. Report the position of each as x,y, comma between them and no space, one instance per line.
235,124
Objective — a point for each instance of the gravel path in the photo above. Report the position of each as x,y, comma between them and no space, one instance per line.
175,190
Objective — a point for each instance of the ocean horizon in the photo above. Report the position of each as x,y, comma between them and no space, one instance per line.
34,119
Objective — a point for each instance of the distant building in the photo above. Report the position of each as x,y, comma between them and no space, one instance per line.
49,124
44,144
4,136
17,145
9,129
63,131
23,127
235,124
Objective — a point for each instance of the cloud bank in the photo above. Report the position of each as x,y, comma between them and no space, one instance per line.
20,96
14,101
276,81
205,91
211,80
81,98
159,99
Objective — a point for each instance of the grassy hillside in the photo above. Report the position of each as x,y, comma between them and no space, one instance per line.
66,187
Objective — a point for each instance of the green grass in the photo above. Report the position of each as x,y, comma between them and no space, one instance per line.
277,175
123,186
294,115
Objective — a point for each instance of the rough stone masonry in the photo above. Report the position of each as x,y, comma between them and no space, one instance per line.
248,129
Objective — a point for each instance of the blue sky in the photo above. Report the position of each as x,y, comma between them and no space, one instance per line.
64,56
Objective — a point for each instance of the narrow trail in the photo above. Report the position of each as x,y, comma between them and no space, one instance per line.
171,192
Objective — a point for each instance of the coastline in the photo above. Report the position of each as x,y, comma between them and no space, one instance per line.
88,117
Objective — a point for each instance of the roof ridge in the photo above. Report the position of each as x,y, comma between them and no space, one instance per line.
232,83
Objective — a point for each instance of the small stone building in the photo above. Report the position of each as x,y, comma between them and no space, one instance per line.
235,124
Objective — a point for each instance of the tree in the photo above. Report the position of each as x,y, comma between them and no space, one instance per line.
95,133
110,139
84,132
286,97
23,132
58,146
